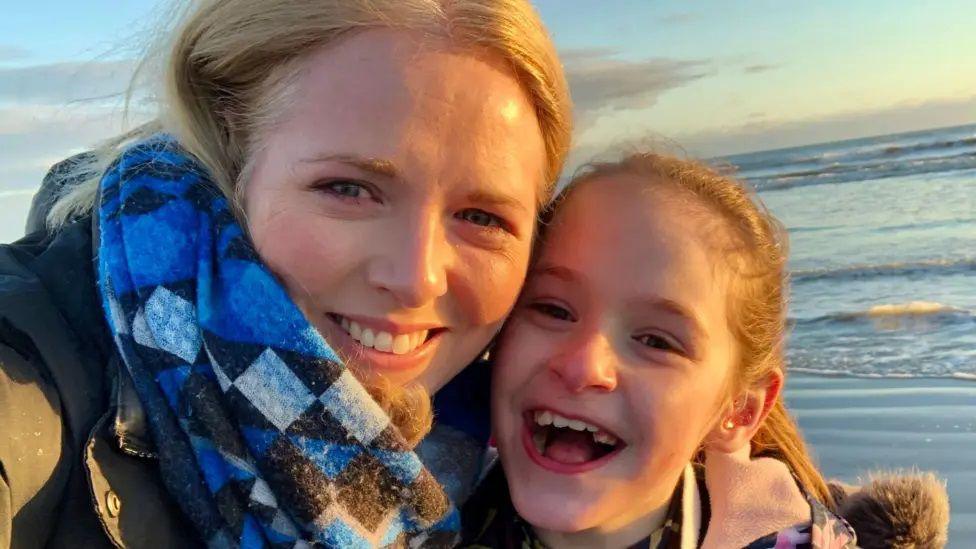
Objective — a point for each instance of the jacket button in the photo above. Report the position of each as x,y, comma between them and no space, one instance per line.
112,503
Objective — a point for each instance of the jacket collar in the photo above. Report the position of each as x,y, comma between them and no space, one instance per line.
129,424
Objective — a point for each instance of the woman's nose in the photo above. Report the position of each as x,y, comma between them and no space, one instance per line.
413,265
589,363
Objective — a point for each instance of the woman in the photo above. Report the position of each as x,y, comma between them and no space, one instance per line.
637,386
327,182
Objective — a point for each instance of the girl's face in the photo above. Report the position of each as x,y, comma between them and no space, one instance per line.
396,200
614,365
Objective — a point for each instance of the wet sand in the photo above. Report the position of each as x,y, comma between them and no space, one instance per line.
857,425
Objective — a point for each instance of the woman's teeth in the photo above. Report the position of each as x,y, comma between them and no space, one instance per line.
384,342
545,418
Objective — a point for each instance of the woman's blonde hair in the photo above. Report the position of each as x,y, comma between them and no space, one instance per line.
758,292
228,64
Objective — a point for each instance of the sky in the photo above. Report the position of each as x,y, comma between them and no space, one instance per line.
715,77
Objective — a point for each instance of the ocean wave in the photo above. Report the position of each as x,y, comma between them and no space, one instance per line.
895,311
912,308
855,151
854,172
826,372
901,269
895,150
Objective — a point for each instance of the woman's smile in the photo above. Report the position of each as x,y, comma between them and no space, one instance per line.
379,344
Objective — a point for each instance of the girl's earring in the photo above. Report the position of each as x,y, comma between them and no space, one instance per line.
728,425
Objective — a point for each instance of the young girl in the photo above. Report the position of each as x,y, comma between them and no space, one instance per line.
636,394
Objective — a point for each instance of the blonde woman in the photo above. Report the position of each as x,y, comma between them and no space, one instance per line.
229,332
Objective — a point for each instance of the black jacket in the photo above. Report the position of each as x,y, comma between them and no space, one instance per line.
77,468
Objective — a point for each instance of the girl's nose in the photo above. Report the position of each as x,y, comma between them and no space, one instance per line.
589,363
413,265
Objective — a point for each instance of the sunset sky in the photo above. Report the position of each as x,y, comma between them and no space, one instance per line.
717,77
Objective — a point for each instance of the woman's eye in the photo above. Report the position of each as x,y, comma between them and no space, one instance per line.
349,190
656,342
552,310
481,218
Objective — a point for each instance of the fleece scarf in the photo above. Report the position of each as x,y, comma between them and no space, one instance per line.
265,439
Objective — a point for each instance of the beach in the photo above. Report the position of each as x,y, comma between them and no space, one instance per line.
857,425
882,338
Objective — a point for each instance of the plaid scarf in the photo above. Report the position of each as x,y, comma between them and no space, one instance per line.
265,439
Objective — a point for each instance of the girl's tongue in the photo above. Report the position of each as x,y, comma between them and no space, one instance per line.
569,446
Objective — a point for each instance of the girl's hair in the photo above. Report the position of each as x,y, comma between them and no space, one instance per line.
757,316
228,67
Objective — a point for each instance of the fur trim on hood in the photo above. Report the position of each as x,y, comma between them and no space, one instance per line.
899,510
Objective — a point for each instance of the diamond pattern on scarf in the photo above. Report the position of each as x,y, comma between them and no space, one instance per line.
364,422
274,390
265,439
173,323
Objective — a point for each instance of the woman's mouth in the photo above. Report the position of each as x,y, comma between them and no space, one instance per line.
382,341
382,344
567,445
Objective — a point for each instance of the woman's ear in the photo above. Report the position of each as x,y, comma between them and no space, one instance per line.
742,418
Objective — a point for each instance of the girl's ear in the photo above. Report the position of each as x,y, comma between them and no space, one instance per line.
741,419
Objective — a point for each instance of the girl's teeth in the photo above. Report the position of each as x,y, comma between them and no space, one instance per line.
367,339
355,330
345,324
543,418
539,439
576,425
605,438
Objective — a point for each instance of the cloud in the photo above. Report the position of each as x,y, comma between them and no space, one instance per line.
679,18
9,52
32,138
601,83
61,83
760,67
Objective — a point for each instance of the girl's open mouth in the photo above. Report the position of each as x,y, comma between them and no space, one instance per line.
567,445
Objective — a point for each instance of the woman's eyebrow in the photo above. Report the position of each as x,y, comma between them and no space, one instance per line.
378,166
492,198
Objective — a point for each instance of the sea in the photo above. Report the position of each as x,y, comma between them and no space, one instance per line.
882,237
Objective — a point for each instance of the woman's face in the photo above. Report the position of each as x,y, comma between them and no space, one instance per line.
613,367
396,200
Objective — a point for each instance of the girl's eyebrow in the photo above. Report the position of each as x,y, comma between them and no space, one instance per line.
675,308
562,273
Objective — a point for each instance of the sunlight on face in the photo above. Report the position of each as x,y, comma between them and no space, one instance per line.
396,201
622,326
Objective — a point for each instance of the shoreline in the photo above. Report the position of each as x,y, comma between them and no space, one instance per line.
855,425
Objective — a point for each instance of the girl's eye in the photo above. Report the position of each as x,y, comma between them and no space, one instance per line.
553,311
656,342
481,218
348,190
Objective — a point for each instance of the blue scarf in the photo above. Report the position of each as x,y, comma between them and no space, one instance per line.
265,439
